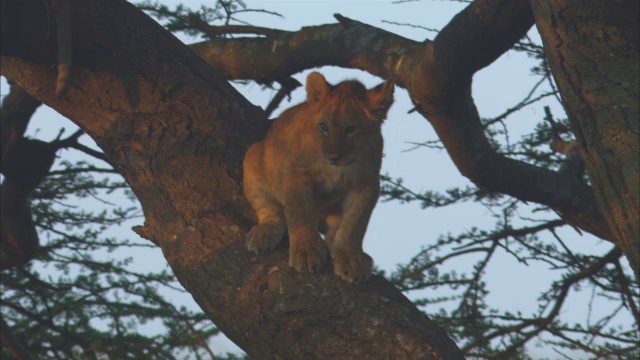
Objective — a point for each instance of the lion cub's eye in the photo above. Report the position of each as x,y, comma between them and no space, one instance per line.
324,128
349,130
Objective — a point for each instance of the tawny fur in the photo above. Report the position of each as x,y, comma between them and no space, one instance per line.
320,164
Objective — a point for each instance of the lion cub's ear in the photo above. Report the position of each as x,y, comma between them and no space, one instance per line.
317,87
380,99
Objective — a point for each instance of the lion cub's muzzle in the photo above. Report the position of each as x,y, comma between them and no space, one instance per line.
339,160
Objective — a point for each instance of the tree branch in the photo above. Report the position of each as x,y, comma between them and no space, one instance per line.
479,35
544,323
17,109
24,163
177,132
438,77
348,43
215,31
286,87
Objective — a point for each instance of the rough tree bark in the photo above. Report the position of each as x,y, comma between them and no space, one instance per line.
177,132
593,49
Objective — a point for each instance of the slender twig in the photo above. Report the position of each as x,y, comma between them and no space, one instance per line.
563,290
215,31
521,105
410,25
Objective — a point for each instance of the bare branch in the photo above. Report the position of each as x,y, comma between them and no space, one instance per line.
17,109
349,43
286,87
480,34
215,31
410,25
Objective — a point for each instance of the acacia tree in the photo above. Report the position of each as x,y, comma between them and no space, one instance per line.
159,112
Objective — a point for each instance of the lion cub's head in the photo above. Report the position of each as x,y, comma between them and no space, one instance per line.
347,116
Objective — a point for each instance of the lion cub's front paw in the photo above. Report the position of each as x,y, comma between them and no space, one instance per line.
307,254
263,238
352,266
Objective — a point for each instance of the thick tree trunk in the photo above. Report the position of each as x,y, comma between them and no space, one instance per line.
593,50
177,132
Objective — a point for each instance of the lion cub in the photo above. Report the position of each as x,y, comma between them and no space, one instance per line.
319,167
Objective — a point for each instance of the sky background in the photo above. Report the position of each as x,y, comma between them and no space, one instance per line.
397,232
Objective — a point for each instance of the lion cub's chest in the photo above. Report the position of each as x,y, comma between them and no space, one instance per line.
335,182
